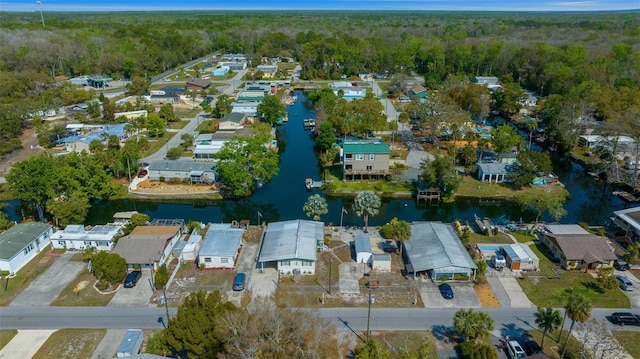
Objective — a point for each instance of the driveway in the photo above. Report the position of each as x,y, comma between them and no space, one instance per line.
634,295
25,344
262,282
464,296
514,291
350,274
136,296
46,288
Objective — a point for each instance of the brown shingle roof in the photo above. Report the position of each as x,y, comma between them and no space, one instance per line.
138,250
199,83
587,247
163,231
418,89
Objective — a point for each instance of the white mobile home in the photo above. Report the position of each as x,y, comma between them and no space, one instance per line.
220,246
20,243
76,237
292,245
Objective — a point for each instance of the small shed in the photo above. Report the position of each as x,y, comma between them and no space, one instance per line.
381,263
191,248
362,244
520,257
130,344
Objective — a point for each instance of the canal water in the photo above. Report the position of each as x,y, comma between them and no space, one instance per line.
284,197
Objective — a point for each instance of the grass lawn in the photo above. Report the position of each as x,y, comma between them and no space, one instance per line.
387,188
25,276
156,143
471,187
85,296
176,125
185,113
500,238
71,343
399,341
523,237
205,126
6,335
551,346
630,341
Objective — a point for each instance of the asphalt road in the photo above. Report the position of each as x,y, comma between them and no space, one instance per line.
507,320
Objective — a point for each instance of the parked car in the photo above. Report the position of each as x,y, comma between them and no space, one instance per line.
625,318
142,173
532,347
625,283
498,261
446,291
515,350
621,265
132,278
238,282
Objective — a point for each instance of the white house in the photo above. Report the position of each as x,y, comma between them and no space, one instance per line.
76,237
220,246
292,245
249,109
79,143
381,263
362,244
491,82
20,243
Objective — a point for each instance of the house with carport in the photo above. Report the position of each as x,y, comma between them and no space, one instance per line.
292,246
21,243
520,257
576,248
148,247
77,237
435,251
220,246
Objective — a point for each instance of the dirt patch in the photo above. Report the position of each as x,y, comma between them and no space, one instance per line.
148,186
486,296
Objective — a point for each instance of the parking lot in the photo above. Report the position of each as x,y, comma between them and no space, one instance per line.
464,296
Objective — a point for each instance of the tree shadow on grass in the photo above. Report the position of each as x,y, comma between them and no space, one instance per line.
594,287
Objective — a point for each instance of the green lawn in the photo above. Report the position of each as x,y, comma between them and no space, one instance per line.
630,341
156,143
523,236
71,344
85,296
6,335
25,276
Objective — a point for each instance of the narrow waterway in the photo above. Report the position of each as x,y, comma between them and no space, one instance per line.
284,196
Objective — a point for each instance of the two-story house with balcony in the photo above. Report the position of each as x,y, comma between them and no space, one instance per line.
367,159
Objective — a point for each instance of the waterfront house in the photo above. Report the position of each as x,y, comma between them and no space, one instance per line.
183,170
348,91
251,96
434,251
220,246
628,220
362,160
76,237
232,121
520,257
79,143
292,246
249,109
147,247
21,243
576,248
417,91
495,172
123,218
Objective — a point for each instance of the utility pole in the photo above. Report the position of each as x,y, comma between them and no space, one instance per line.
166,305
330,265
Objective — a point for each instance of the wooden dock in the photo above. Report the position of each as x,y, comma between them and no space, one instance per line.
310,183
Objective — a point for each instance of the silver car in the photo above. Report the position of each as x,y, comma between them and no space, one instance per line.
625,283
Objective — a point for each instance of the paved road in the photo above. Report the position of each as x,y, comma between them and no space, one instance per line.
507,320
175,141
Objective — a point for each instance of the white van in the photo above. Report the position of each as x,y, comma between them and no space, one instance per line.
515,350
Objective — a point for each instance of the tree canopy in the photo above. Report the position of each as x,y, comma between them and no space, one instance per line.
366,204
271,109
315,207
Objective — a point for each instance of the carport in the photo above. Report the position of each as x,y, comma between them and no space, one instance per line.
435,251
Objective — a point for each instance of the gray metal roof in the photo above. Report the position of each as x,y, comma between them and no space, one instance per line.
295,239
17,237
131,338
520,251
436,246
362,242
181,165
565,229
221,241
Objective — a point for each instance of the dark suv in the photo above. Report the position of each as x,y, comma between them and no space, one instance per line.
532,347
132,278
625,318
621,265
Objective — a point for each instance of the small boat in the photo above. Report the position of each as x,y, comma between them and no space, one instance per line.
310,183
309,123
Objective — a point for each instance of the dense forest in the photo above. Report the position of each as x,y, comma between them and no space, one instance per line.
587,64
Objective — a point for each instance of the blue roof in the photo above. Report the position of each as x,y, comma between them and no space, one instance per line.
221,241
100,134
362,243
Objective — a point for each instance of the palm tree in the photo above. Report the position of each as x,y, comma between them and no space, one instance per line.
365,204
547,319
470,323
315,207
579,310
398,230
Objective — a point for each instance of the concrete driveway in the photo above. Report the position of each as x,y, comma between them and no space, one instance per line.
262,282
46,288
634,295
25,344
350,274
464,296
136,296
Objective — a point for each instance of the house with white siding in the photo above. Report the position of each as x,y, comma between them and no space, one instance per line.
76,237
21,243
220,246
292,246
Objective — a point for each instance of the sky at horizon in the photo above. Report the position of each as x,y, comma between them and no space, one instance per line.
425,5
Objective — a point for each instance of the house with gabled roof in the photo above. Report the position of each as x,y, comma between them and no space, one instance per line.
79,143
148,247
495,172
292,246
435,251
220,246
418,91
365,159
576,248
21,243
198,85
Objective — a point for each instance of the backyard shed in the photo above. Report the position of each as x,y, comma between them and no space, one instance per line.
190,250
381,263
362,244
130,344
520,257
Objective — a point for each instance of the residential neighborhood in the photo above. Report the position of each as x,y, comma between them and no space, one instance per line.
371,208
